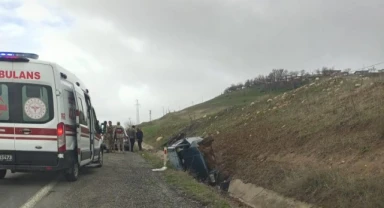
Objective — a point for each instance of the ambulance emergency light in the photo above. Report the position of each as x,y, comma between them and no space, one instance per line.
12,55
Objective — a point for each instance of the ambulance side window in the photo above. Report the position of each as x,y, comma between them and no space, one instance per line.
91,116
83,118
71,105
4,102
92,122
86,116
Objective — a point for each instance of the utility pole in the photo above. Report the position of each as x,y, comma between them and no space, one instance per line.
137,112
130,122
150,115
163,111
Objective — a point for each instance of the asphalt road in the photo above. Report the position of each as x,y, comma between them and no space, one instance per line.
17,188
125,180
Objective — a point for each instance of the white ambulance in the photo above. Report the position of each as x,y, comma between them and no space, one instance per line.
47,121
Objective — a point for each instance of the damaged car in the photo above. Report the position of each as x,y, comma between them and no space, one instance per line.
184,154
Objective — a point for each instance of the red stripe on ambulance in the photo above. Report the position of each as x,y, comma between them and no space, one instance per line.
8,138
7,130
36,138
37,131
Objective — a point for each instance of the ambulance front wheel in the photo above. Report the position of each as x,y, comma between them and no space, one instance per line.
3,172
72,174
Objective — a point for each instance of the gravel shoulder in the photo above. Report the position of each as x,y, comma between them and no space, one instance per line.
125,180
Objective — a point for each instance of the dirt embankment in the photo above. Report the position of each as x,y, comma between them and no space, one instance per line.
322,143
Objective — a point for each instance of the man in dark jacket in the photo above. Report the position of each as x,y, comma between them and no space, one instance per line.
139,137
132,137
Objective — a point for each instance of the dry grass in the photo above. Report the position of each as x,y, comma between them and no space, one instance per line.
330,188
205,195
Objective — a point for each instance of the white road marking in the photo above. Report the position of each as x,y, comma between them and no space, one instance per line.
39,195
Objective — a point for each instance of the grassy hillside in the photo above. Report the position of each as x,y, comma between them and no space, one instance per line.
173,123
321,143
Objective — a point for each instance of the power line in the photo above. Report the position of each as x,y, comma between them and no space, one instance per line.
137,112
150,115
371,65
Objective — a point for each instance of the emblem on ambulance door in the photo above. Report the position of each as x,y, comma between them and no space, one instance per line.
35,108
3,106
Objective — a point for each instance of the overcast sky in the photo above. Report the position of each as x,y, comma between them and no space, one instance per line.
174,52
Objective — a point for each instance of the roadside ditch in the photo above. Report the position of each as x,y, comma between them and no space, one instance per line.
195,155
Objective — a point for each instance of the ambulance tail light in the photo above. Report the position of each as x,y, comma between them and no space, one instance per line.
61,141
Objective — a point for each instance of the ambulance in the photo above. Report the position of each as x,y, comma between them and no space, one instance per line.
47,120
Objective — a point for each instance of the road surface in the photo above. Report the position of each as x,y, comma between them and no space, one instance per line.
125,180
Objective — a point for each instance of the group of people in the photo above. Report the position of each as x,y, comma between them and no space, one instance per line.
117,134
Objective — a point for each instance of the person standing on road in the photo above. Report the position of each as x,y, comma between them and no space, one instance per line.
104,134
119,133
109,137
132,137
139,137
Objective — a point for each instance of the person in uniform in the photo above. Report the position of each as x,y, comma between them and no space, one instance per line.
132,137
119,133
139,137
109,137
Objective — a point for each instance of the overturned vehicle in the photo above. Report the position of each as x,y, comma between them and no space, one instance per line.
195,155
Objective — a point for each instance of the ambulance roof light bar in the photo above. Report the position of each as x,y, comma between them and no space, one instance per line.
13,55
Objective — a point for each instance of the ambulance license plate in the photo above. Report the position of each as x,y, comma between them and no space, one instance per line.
6,158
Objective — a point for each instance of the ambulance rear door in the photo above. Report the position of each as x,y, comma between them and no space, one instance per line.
82,124
36,117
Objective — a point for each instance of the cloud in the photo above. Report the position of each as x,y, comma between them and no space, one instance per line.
36,13
134,44
10,30
171,53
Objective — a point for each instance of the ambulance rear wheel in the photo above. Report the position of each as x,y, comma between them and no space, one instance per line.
3,172
72,174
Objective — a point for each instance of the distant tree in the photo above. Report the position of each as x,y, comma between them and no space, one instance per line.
248,83
277,79
252,82
239,86
277,75
325,71
259,80
230,89
285,72
373,69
